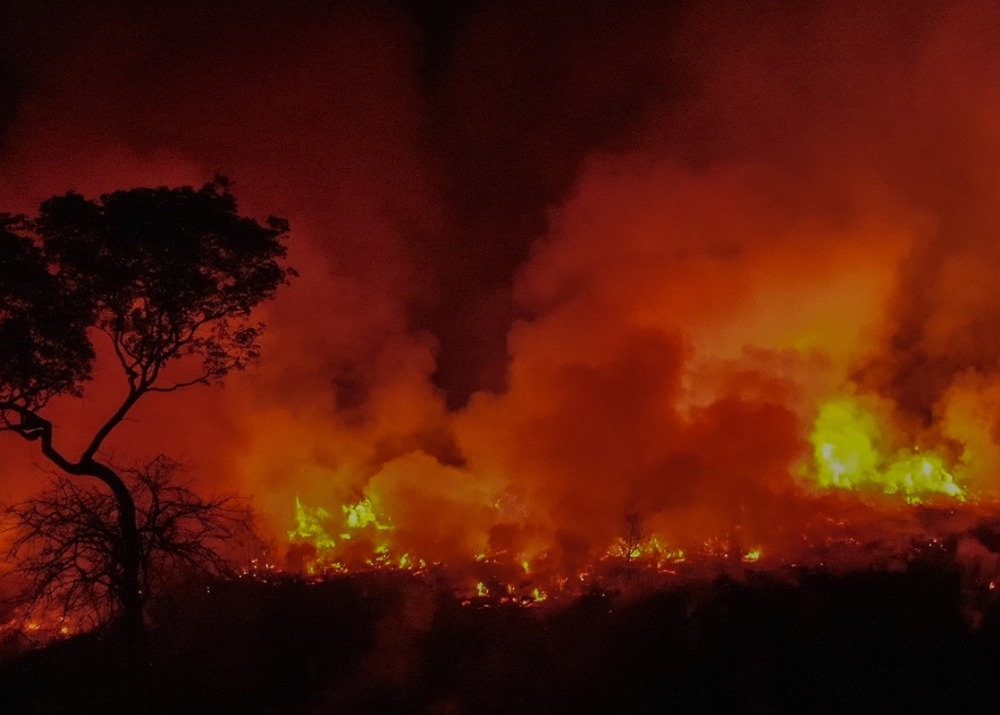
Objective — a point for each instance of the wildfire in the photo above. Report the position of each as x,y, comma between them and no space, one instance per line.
309,527
852,451
42,627
360,515
849,454
713,366
739,287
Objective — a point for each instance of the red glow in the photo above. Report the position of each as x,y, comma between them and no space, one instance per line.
647,271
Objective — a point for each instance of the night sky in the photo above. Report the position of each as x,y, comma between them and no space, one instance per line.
559,262
477,115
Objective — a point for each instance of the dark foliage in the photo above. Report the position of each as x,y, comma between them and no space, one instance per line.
165,273
170,273
44,350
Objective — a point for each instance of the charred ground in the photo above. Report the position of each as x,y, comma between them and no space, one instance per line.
781,641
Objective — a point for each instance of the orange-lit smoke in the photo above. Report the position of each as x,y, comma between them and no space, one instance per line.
647,263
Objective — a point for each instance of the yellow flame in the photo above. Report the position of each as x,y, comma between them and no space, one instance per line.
361,515
752,555
309,526
312,524
847,443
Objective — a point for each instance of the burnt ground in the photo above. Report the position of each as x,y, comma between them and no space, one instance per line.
811,641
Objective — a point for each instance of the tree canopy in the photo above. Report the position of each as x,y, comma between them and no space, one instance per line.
168,273
44,348
164,273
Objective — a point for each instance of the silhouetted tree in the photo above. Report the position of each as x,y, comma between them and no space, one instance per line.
629,544
169,278
63,542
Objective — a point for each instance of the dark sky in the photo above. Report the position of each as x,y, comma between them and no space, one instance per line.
601,256
504,101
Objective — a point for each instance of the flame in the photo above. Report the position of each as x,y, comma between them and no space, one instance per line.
309,527
849,454
361,515
758,316
852,451
43,626
362,538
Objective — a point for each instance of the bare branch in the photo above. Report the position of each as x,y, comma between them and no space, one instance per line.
65,541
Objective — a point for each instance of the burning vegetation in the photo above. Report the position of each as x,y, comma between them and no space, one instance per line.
854,468
651,304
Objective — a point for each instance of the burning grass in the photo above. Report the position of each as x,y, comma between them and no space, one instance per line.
632,640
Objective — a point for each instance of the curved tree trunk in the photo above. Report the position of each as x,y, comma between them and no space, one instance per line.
128,588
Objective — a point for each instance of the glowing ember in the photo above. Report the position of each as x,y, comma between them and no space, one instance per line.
43,627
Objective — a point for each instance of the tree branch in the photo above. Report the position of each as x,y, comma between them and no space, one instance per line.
123,355
95,444
35,427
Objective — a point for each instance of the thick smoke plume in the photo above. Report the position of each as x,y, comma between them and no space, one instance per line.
562,267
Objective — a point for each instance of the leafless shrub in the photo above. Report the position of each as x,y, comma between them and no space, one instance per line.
64,544
629,545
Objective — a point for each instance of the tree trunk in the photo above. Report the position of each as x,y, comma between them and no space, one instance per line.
128,551
130,587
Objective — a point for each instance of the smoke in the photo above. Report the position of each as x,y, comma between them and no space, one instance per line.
555,268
